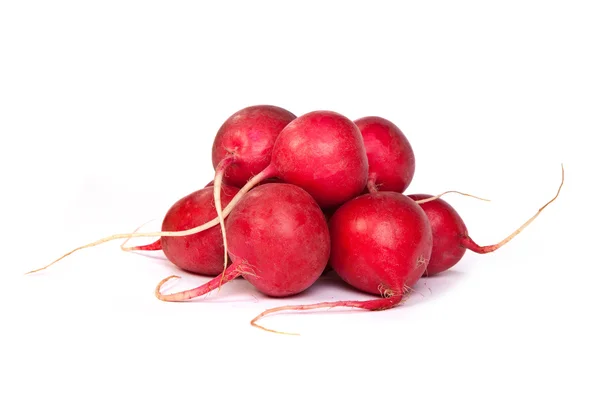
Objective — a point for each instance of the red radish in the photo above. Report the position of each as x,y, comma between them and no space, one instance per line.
380,244
449,231
278,241
201,253
391,157
155,246
322,152
450,236
246,138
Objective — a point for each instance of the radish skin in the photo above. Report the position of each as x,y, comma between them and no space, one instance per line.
248,136
391,157
199,253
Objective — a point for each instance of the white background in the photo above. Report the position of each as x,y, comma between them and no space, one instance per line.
107,115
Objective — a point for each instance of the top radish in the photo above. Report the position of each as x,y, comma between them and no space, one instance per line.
323,152
391,157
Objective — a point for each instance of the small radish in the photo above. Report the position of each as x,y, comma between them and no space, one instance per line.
380,244
450,236
278,241
391,157
154,246
201,253
243,144
322,152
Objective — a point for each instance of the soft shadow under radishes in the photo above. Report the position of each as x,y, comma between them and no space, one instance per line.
431,287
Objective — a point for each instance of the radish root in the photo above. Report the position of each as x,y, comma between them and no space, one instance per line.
266,173
449,191
471,245
219,173
372,186
369,305
154,246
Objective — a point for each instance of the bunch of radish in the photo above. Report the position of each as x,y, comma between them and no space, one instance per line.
294,195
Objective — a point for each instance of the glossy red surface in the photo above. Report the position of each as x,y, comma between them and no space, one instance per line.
322,152
201,253
449,231
391,157
280,235
249,135
380,243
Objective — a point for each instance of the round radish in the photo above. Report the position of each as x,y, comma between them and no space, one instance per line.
322,152
391,157
450,236
200,253
278,241
244,142
380,244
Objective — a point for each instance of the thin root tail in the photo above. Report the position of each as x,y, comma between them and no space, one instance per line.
265,174
231,273
447,192
471,245
369,305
